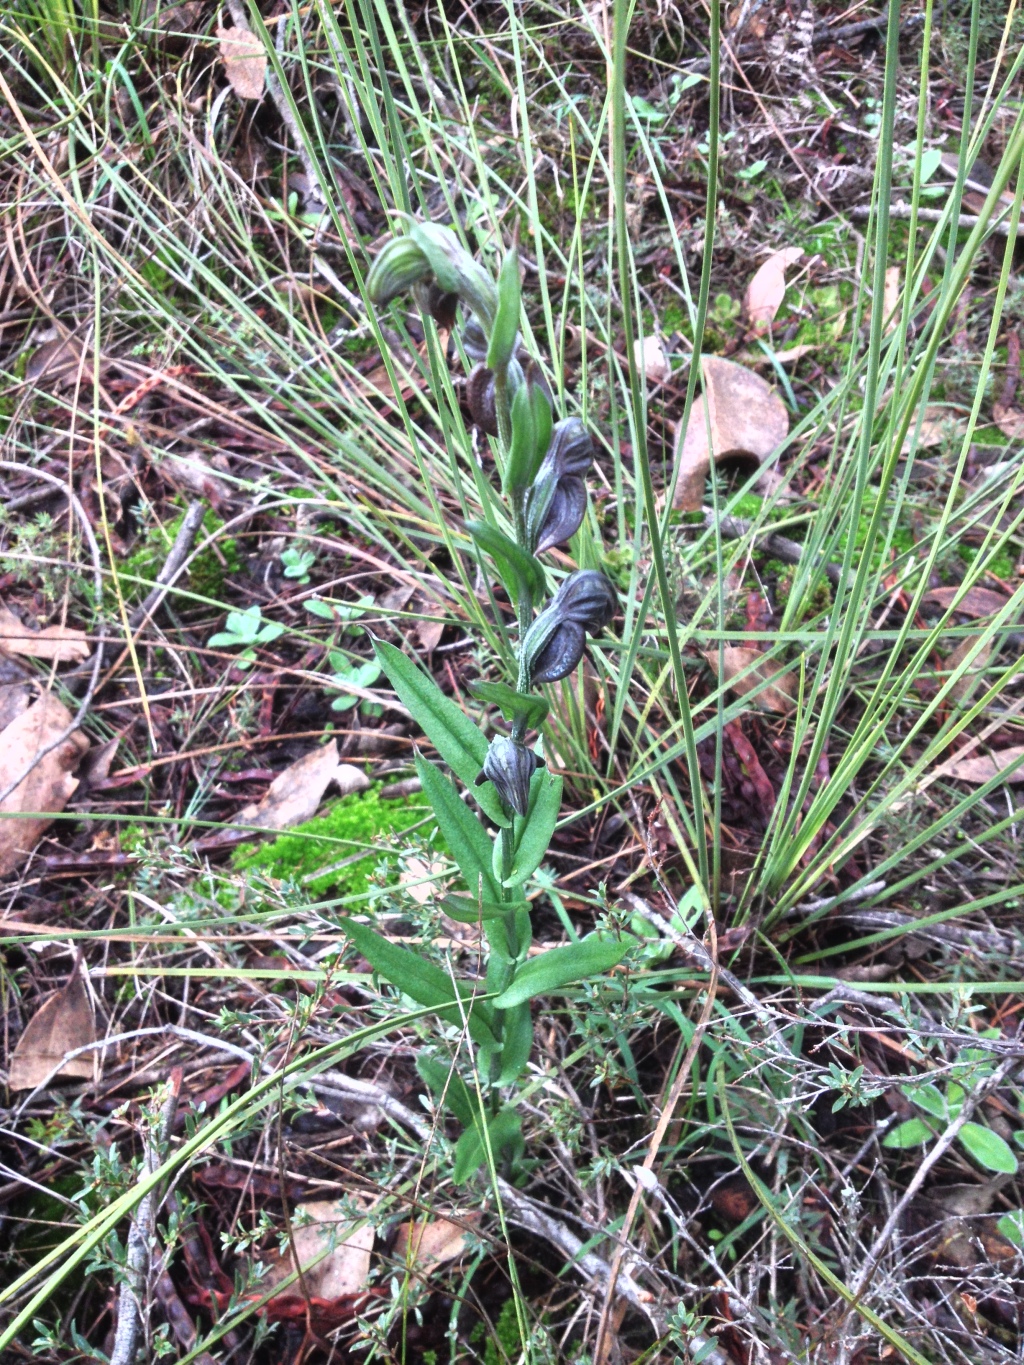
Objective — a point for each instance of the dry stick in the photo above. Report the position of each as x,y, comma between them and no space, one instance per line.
140,1238
901,209
97,659
175,563
789,551
947,1139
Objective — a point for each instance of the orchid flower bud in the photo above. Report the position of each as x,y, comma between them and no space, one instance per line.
396,268
505,333
556,501
510,765
480,397
456,272
554,643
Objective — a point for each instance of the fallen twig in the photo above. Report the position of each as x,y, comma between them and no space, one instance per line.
789,551
173,565
140,1238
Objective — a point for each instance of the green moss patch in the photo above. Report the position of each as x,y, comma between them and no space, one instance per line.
343,842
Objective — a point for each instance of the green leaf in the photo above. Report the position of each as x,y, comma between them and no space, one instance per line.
469,1154
316,606
516,1042
592,956
520,572
470,909
927,1097
535,831
519,464
987,1148
449,1087
459,742
1011,1225
424,981
909,1134
468,841
513,704
506,321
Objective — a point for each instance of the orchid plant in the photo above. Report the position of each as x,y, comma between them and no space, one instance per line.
541,464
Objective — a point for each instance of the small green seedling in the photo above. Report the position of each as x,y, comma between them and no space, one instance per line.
345,614
981,1143
348,676
297,563
541,465
248,629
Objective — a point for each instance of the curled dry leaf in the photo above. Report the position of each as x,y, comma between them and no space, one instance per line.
745,669
295,794
747,420
767,288
62,1024
976,601
652,358
1009,420
426,1245
59,644
47,787
58,364
938,423
420,879
245,62
980,768
333,1254
964,688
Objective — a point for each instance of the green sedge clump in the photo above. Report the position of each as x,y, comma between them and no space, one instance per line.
497,848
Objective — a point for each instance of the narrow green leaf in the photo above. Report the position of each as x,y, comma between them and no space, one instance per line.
448,1085
535,831
520,572
506,322
424,981
988,1148
519,465
516,1042
909,1134
470,909
459,742
469,1155
560,967
513,704
467,840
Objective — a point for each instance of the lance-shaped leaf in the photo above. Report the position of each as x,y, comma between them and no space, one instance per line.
459,742
424,981
592,956
467,840
534,833
516,1043
505,332
522,575
531,433
513,705
473,909
448,1085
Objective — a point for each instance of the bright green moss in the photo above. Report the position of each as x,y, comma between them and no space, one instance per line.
1002,565
206,573
348,828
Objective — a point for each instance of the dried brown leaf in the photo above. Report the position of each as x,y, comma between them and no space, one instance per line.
748,421
652,358
59,644
982,768
419,879
962,690
245,62
62,1024
50,784
938,423
767,288
426,1245
738,660
318,1227
976,601
1009,419
58,363
295,794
